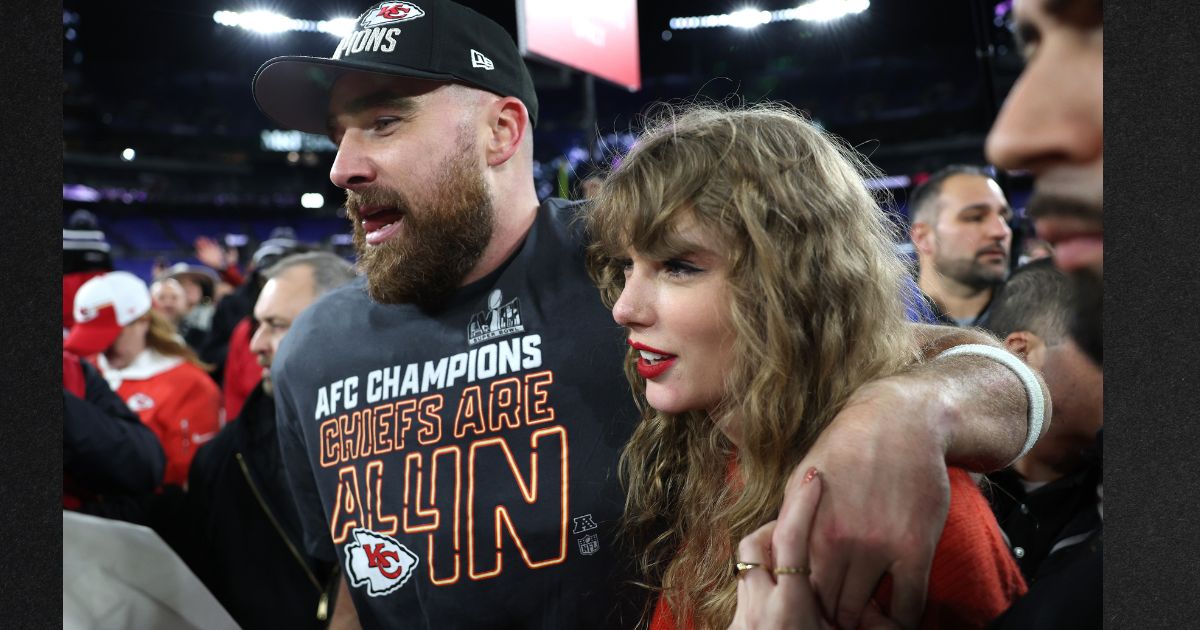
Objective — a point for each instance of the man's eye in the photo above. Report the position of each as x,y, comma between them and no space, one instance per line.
625,265
384,122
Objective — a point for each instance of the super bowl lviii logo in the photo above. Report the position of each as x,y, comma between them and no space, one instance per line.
498,319
378,562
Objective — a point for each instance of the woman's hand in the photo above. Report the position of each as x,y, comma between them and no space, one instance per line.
775,592
778,593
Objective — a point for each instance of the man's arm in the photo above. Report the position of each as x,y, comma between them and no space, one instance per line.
985,418
105,445
883,461
345,616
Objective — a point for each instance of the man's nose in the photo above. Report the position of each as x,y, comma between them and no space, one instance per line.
353,168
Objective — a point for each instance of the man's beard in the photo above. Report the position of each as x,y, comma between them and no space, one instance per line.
1087,320
439,242
970,272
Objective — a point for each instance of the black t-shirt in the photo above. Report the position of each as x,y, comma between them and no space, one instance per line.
462,464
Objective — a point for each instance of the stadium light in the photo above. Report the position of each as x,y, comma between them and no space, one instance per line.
270,23
748,18
128,155
815,11
312,200
340,27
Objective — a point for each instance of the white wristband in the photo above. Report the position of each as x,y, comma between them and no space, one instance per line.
1037,401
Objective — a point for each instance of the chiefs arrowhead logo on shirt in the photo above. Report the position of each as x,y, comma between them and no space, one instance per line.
139,402
378,562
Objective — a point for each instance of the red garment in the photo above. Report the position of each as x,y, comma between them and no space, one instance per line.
242,371
176,399
71,284
973,577
233,276
74,382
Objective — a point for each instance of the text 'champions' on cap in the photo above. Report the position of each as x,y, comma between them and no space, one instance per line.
429,39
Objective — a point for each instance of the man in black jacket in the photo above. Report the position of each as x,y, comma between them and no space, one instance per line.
243,533
107,452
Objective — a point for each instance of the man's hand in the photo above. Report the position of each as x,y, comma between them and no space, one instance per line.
884,505
886,492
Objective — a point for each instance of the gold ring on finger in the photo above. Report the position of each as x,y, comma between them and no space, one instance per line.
741,567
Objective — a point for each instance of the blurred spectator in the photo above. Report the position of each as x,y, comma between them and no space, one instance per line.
147,364
215,348
961,234
106,448
169,300
242,372
1047,502
224,260
199,284
222,290
247,536
86,254
1035,249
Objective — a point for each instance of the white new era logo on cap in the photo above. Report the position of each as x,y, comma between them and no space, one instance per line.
479,61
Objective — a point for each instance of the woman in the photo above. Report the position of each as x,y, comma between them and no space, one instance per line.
148,365
757,279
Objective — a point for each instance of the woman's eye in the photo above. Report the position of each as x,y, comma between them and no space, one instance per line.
625,265
677,267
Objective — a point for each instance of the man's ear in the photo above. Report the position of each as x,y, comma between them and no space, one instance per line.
921,235
1028,346
508,123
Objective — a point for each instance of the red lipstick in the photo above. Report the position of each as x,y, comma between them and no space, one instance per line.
652,367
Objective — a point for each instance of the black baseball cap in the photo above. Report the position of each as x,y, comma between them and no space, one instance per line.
427,39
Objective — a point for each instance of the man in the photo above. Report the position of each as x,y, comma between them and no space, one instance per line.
961,234
243,539
464,474
1052,124
1046,502
86,254
107,451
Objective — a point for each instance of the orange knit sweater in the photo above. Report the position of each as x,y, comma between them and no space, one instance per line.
973,577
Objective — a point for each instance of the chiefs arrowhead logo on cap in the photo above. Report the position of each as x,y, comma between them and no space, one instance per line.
390,13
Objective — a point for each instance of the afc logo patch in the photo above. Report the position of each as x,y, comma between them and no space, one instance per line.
378,562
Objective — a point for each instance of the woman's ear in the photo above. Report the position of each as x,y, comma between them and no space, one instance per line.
508,122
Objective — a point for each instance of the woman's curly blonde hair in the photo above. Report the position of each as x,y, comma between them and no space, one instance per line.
815,288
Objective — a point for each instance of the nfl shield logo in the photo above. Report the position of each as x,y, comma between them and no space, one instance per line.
589,545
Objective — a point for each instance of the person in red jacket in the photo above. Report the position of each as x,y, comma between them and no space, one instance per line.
86,254
757,280
148,365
